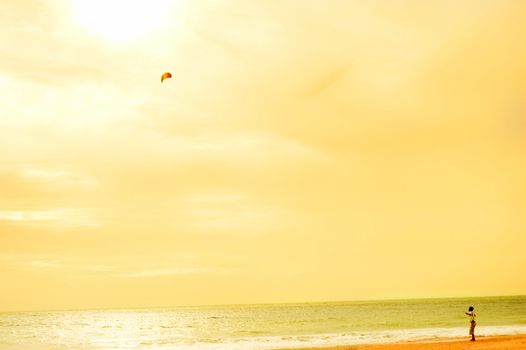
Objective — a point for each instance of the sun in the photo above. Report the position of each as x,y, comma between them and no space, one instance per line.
120,20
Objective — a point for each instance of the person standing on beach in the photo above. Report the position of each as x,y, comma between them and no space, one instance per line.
472,315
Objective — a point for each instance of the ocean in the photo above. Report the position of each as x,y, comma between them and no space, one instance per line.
250,327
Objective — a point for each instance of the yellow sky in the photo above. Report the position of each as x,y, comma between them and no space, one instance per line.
302,151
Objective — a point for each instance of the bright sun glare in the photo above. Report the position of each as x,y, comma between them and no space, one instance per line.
120,20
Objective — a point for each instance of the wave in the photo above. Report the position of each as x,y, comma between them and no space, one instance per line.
344,339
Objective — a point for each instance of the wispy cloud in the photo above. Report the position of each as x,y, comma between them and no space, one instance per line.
166,271
124,267
230,212
248,219
58,177
215,198
62,217
327,81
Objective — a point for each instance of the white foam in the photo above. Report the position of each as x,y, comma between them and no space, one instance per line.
351,338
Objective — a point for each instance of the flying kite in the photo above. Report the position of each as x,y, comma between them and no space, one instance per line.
166,75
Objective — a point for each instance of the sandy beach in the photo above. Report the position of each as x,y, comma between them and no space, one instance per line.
514,342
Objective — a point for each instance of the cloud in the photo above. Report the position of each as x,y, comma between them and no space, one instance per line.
166,271
326,81
231,213
58,177
122,267
56,217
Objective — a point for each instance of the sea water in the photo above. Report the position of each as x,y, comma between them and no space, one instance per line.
261,326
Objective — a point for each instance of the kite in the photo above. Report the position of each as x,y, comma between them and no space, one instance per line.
166,75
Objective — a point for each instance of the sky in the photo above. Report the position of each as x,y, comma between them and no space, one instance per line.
302,151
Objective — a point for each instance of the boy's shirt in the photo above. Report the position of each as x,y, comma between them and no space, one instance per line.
471,315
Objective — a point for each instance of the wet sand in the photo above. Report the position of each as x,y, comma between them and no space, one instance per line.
514,342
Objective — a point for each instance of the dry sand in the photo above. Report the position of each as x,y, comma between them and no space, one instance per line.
514,342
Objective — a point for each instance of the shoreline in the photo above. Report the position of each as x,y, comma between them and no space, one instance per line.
499,342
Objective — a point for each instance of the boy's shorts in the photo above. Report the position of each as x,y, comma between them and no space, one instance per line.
472,328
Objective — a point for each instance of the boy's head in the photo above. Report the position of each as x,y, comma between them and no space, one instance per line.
471,308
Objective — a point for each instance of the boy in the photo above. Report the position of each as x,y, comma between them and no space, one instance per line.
472,315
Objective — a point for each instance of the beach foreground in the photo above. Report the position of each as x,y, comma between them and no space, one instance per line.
513,342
